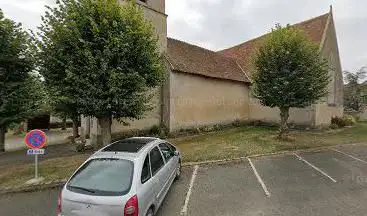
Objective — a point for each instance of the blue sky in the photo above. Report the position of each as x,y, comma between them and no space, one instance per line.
217,24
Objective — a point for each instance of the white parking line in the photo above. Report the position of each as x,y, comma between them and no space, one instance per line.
316,168
351,156
267,193
193,177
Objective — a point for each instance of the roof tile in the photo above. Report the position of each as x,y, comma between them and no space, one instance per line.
192,59
313,28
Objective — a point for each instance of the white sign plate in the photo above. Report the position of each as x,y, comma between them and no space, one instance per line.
35,152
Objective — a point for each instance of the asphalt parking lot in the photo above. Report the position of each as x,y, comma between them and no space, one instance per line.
327,182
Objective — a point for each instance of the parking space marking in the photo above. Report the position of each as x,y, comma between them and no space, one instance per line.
259,179
193,177
351,156
316,168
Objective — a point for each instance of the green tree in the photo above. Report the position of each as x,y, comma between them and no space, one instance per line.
18,86
53,53
109,56
65,109
290,72
353,90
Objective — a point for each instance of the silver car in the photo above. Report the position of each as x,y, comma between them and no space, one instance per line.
129,177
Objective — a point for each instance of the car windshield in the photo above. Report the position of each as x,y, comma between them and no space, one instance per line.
103,177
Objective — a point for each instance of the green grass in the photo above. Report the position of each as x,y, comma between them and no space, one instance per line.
51,170
244,141
225,144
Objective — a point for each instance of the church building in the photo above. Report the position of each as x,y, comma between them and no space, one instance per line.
205,87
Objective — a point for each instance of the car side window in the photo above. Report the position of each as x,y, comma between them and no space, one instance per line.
172,147
166,150
145,173
156,160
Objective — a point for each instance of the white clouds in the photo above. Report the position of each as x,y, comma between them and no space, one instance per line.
217,24
27,12
35,6
224,23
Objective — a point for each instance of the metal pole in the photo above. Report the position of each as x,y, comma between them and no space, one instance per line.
36,166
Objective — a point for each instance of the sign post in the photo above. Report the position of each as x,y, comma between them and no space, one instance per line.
35,140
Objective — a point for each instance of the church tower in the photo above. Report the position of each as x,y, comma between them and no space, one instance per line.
154,10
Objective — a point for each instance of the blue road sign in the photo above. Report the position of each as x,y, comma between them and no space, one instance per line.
35,139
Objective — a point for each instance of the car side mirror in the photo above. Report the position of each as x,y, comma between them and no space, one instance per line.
176,153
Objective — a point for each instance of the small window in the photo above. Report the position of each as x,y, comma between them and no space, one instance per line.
156,160
167,151
145,173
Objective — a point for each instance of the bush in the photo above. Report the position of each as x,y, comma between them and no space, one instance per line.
339,121
158,130
349,120
154,130
334,126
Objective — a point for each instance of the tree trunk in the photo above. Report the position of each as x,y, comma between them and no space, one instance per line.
284,115
63,124
87,129
75,128
105,124
2,139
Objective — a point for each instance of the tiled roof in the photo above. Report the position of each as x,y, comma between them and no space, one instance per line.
314,29
192,59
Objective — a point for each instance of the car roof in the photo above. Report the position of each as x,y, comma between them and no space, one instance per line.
132,145
129,148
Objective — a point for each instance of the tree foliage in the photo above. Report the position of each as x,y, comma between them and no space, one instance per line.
19,98
354,90
53,52
107,58
290,72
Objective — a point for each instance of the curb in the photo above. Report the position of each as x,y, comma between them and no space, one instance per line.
32,188
59,183
228,160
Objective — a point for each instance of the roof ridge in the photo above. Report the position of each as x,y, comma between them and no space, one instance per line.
190,44
256,38
253,39
312,19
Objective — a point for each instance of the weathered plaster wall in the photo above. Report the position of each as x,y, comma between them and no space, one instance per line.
324,113
363,115
330,52
332,105
151,118
154,11
197,100
301,116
